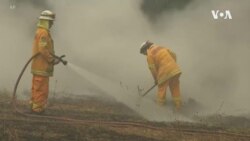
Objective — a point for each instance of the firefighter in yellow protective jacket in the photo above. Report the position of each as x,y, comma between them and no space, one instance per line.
43,64
165,71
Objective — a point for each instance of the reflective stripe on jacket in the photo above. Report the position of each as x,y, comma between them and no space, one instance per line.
162,63
43,44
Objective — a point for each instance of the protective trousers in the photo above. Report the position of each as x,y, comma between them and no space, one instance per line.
40,90
174,86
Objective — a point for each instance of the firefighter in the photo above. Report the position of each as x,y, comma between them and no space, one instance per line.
165,71
43,64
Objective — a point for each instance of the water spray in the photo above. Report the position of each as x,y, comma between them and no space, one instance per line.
147,108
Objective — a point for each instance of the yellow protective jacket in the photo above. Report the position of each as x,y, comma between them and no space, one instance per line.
162,63
43,44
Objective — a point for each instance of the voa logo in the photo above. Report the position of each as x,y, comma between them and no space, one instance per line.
221,14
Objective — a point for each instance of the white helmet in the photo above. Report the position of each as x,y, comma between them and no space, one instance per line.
47,15
145,45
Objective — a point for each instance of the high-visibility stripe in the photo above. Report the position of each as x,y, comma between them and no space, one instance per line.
43,42
42,73
151,65
161,101
168,76
37,107
177,98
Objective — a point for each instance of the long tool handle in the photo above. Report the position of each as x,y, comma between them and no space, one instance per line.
148,90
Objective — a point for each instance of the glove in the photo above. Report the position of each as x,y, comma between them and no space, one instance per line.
56,61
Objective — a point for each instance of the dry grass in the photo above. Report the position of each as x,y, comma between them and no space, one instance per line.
14,127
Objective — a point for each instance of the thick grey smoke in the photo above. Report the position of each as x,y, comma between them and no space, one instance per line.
213,54
17,29
153,9
104,37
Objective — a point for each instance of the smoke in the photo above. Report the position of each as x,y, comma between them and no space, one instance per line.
34,3
17,29
104,37
212,54
132,101
153,9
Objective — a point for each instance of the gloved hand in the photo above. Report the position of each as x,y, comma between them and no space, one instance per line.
56,61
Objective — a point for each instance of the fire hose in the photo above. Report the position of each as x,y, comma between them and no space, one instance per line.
24,68
108,123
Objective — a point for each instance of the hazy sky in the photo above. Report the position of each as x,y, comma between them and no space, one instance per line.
105,36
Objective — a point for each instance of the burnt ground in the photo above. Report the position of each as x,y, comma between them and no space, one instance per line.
16,127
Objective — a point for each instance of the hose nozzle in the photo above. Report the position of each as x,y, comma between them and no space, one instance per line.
63,61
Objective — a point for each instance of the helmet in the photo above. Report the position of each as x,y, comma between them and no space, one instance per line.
145,45
47,15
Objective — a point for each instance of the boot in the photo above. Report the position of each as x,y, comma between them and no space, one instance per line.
177,105
161,102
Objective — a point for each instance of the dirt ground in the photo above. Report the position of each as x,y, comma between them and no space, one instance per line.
102,120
